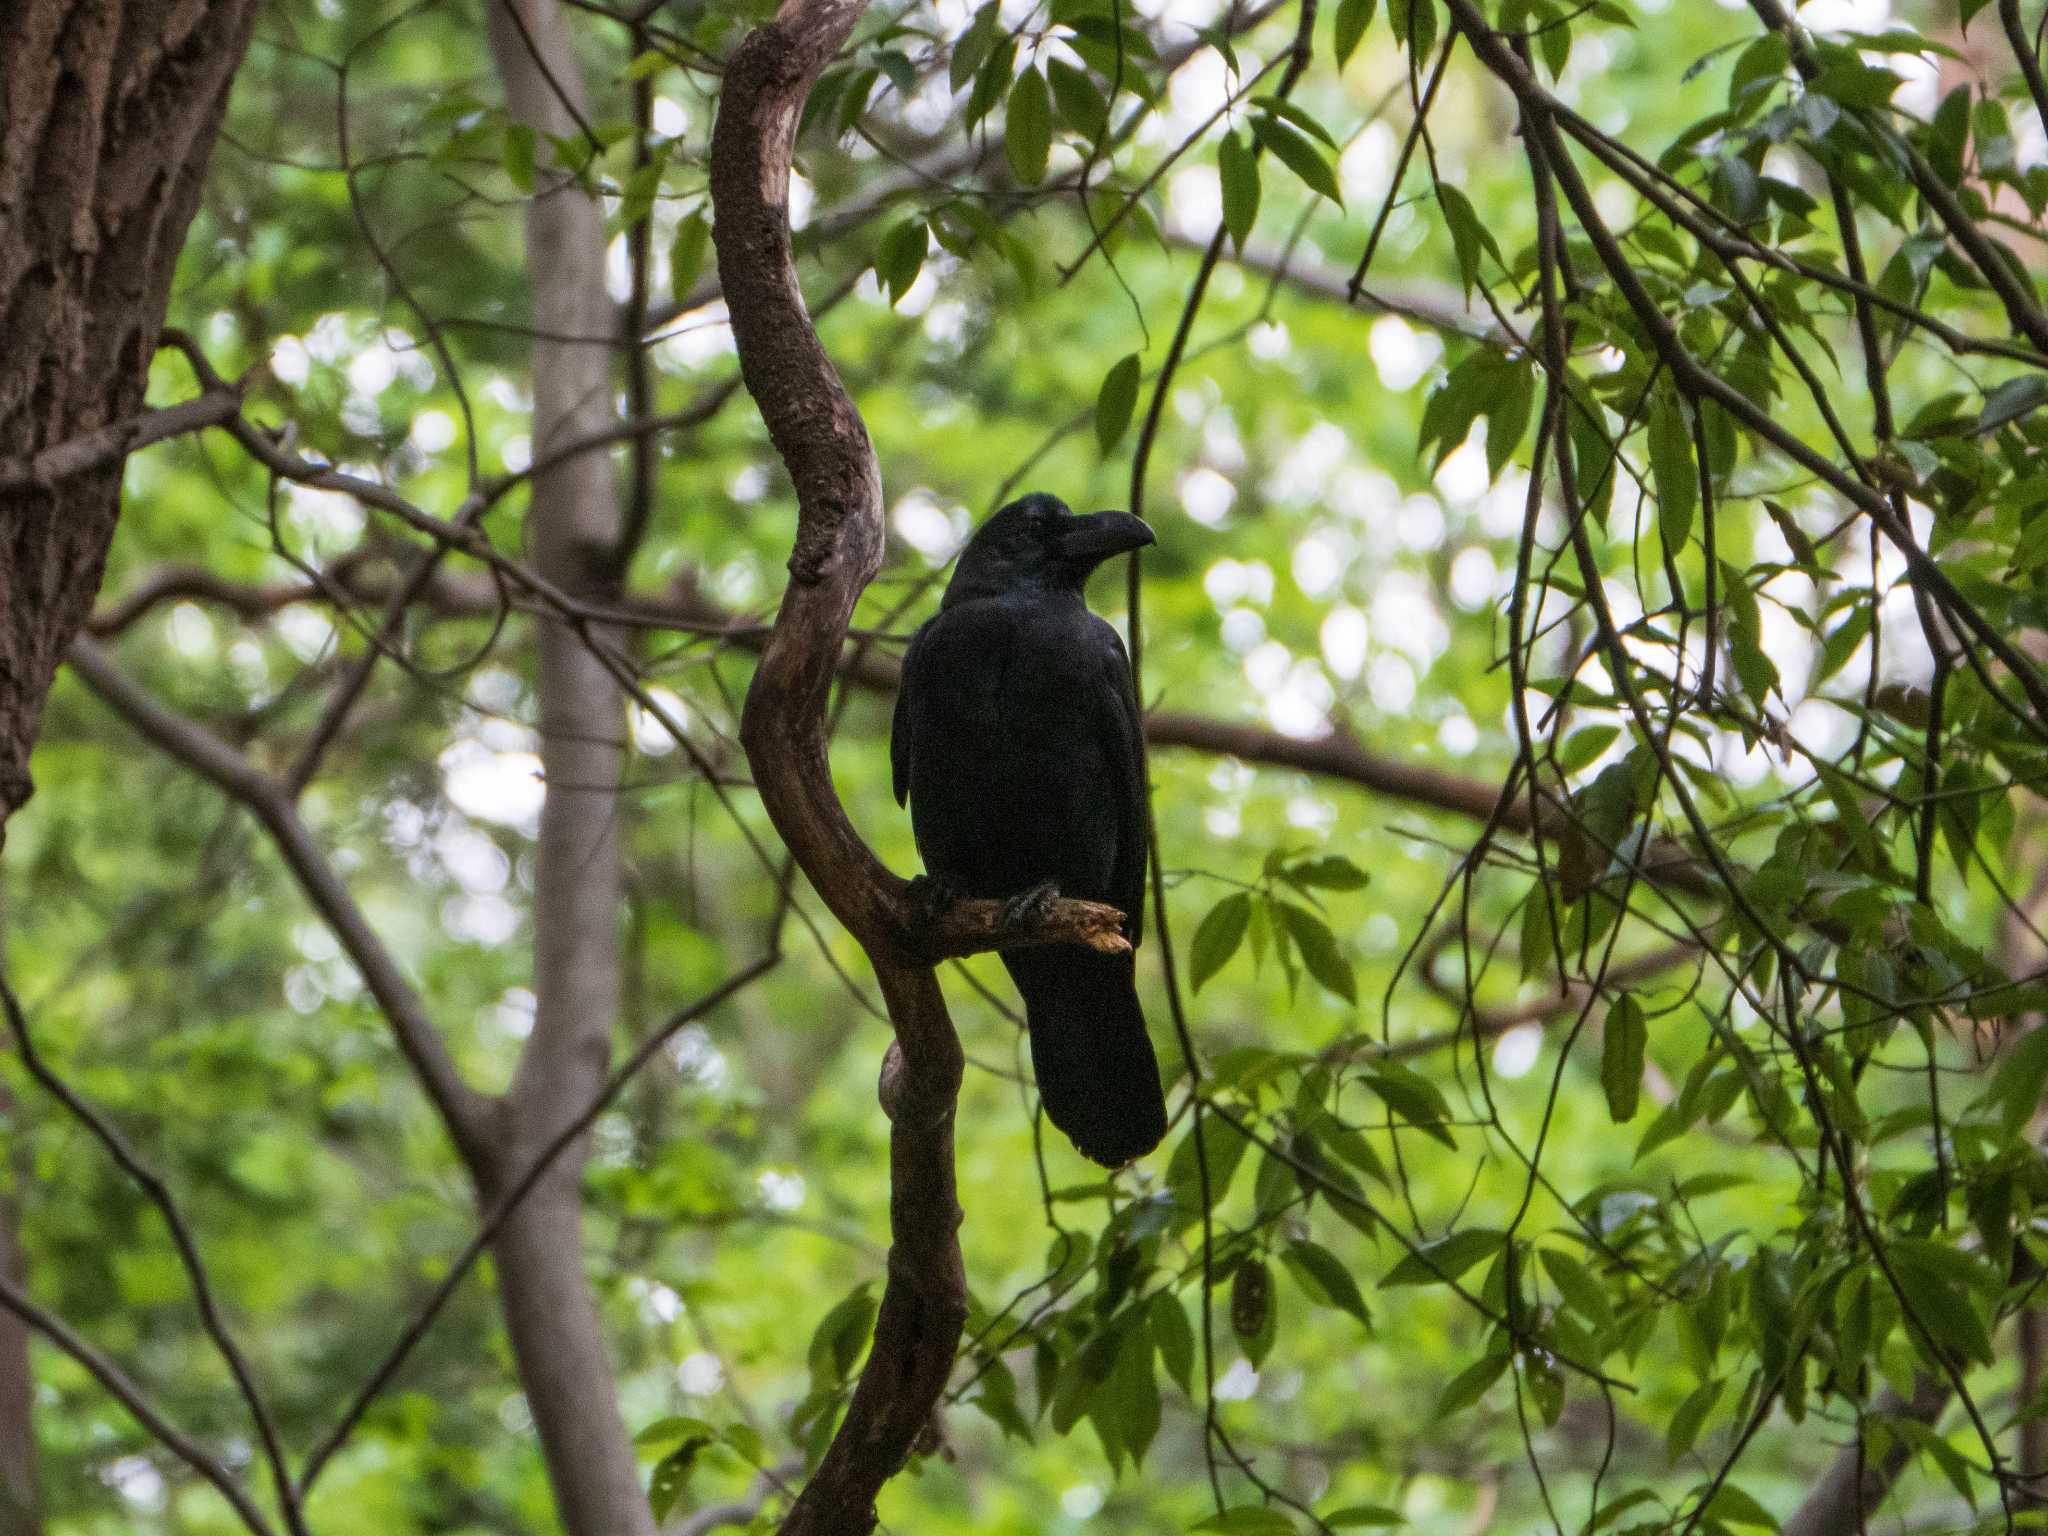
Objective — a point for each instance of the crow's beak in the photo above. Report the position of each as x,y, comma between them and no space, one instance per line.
1092,539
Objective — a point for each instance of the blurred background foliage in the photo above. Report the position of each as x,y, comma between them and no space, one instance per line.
1331,556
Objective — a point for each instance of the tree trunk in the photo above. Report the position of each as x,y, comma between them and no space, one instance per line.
1854,1485
574,528
107,113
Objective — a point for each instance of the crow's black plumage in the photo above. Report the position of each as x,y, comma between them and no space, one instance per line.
1017,743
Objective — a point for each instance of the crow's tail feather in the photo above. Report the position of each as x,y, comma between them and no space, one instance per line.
1096,1072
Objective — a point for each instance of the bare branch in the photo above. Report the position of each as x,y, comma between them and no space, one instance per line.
159,1194
1338,754
1436,305
508,1202
111,444
130,1396
461,1107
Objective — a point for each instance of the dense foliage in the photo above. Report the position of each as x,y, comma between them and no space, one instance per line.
1599,716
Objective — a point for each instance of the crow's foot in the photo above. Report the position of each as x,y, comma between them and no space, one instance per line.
929,898
1027,908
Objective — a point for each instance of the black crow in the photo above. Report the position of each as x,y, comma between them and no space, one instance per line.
1017,743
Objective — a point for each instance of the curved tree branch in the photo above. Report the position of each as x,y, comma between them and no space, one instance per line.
818,431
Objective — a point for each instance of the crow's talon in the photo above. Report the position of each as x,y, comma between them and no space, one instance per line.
929,898
1027,908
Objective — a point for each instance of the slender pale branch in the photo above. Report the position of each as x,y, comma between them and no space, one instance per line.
461,1107
506,1203
159,1193
123,1389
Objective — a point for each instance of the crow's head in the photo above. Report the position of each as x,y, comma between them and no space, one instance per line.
1037,545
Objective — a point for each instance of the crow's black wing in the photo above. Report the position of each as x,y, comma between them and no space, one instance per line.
1123,739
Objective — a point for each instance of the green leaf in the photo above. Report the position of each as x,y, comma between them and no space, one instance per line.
1671,467
1690,1418
1949,133
1295,151
1114,403
1623,1040
1468,236
671,1476
686,254
900,258
2012,400
1225,1147
1173,1337
1319,953
645,66
520,143
1934,1279
1331,872
1581,747
1133,1392
1841,643
1469,1385
1323,1276
1579,1286
860,86
1614,1509
1849,813
975,44
901,72
1954,1467
1218,937
1361,1516
841,1335
1415,25
1247,1520
672,1429
1486,383
1298,115
996,1396
1081,105
1028,130
991,81
2021,1080
1103,31
1508,416
1733,1506
1855,84
1353,17
1239,170
1761,63
1414,1098
1442,1261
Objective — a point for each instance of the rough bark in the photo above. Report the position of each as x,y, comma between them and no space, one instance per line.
573,532
107,114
